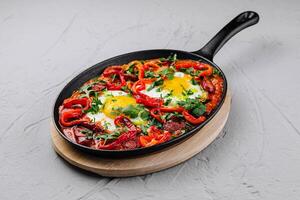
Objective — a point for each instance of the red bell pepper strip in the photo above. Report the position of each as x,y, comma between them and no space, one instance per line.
155,136
148,101
186,64
115,70
71,117
141,70
193,120
85,103
156,114
124,121
141,98
114,86
140,85
146,141
207,69
112,70
171,109
125,136
113,145
151,65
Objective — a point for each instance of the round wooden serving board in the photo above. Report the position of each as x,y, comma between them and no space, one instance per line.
147,163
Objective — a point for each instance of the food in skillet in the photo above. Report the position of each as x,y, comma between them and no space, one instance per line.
141,104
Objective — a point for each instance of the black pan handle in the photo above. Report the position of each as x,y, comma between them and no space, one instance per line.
239,23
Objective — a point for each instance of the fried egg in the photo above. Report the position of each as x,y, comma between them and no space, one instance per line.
111,100
177,89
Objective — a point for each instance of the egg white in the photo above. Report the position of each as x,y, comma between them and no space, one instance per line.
197,91
105,120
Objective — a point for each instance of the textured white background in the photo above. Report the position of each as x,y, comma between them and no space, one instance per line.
43,44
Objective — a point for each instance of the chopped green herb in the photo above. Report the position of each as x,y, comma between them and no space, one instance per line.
144,114
171,58
131,111
162,59
126,89
154,122
168,72
87,89
144,129
216,72
110,136
196,73
168,94
186,92
95,105
194,82
196,107
88,133
113,77
116,111
158,89
106,124
130,69
188,70
150,74
167,102
158,82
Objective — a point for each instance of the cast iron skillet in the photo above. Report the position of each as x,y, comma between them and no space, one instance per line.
205,54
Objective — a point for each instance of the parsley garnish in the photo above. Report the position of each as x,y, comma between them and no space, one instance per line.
95,105
106,124
168,72
186,92
171,58
196,107
130,69
158,89
150,74
113,77
187,70
216,72
111,136
158,82
126,89
168,94
167,102
88,133
131,111
194,82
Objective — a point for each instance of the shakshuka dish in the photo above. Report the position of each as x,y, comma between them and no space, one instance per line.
141,104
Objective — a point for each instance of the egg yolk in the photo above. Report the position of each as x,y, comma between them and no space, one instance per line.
178,85
112,103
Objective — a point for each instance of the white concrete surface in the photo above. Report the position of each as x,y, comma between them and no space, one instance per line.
43,44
